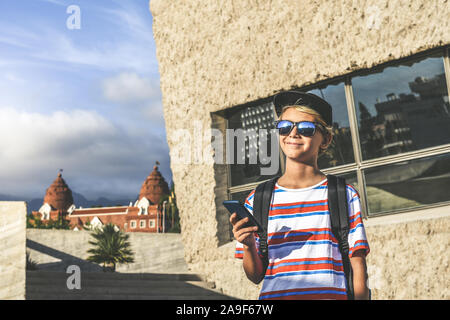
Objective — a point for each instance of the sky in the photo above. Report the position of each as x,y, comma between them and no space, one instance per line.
79,92
395,79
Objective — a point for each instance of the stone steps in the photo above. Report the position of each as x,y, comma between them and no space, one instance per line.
123,297
144,284
120,286
53,275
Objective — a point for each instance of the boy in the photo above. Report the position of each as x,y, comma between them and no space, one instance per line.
304,258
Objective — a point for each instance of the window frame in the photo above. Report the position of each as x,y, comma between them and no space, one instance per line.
360,165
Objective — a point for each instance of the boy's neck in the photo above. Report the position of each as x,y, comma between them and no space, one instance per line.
300,175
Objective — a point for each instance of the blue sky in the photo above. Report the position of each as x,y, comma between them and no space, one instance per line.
85,100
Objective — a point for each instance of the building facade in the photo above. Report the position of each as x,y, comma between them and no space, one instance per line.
383,66
146,214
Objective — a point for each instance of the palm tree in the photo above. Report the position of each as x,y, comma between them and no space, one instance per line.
31,264
111,246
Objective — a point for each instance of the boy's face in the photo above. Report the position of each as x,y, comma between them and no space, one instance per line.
296,146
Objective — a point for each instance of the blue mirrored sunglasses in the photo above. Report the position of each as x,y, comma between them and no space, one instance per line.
304,128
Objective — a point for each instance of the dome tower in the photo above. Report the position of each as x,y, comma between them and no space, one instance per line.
154,187
59,195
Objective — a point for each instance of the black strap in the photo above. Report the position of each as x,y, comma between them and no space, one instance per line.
333,202
261,207
338,207
342,202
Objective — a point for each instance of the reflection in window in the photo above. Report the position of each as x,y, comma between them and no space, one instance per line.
403,108
408,184
250,120
241,196
340,151
351,178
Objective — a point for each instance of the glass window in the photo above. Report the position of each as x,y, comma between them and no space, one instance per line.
351,178
247,123
241,196
408,184
341,150
403,108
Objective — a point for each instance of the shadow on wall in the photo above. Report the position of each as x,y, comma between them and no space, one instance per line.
65,259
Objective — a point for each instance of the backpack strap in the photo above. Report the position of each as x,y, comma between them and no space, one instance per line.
261,207
340,227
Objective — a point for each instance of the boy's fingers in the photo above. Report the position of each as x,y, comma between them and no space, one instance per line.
240,223
246,231
243,236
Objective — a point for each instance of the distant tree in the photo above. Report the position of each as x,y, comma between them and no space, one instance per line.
111,247
87,225
171,210
60,223
32,221
36,222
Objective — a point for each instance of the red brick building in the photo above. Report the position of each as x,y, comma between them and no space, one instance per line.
145,215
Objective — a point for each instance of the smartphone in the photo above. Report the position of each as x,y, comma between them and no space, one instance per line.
242,212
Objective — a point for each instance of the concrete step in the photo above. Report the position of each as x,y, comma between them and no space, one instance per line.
98,283
116,276
119,290
125,297
120,286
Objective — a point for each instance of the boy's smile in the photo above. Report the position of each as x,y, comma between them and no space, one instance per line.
296,146
293,144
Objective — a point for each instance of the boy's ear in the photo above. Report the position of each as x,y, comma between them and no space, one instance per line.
326,141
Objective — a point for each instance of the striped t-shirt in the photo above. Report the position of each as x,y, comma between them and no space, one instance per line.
304,258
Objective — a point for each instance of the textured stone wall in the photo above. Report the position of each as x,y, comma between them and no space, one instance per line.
213,55
410,260
55,250
12,250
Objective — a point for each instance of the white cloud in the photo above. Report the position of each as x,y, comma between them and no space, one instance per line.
139,97
13,77
59,3
130,17
98,157
129,87
29,135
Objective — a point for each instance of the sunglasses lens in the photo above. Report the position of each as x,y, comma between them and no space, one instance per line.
284,127
306,128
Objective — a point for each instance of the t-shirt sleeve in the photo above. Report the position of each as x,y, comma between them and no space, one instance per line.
357,239
239,251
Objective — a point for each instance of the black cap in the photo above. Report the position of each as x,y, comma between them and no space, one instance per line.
294,98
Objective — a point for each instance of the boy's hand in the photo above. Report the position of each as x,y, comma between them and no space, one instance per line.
243,235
